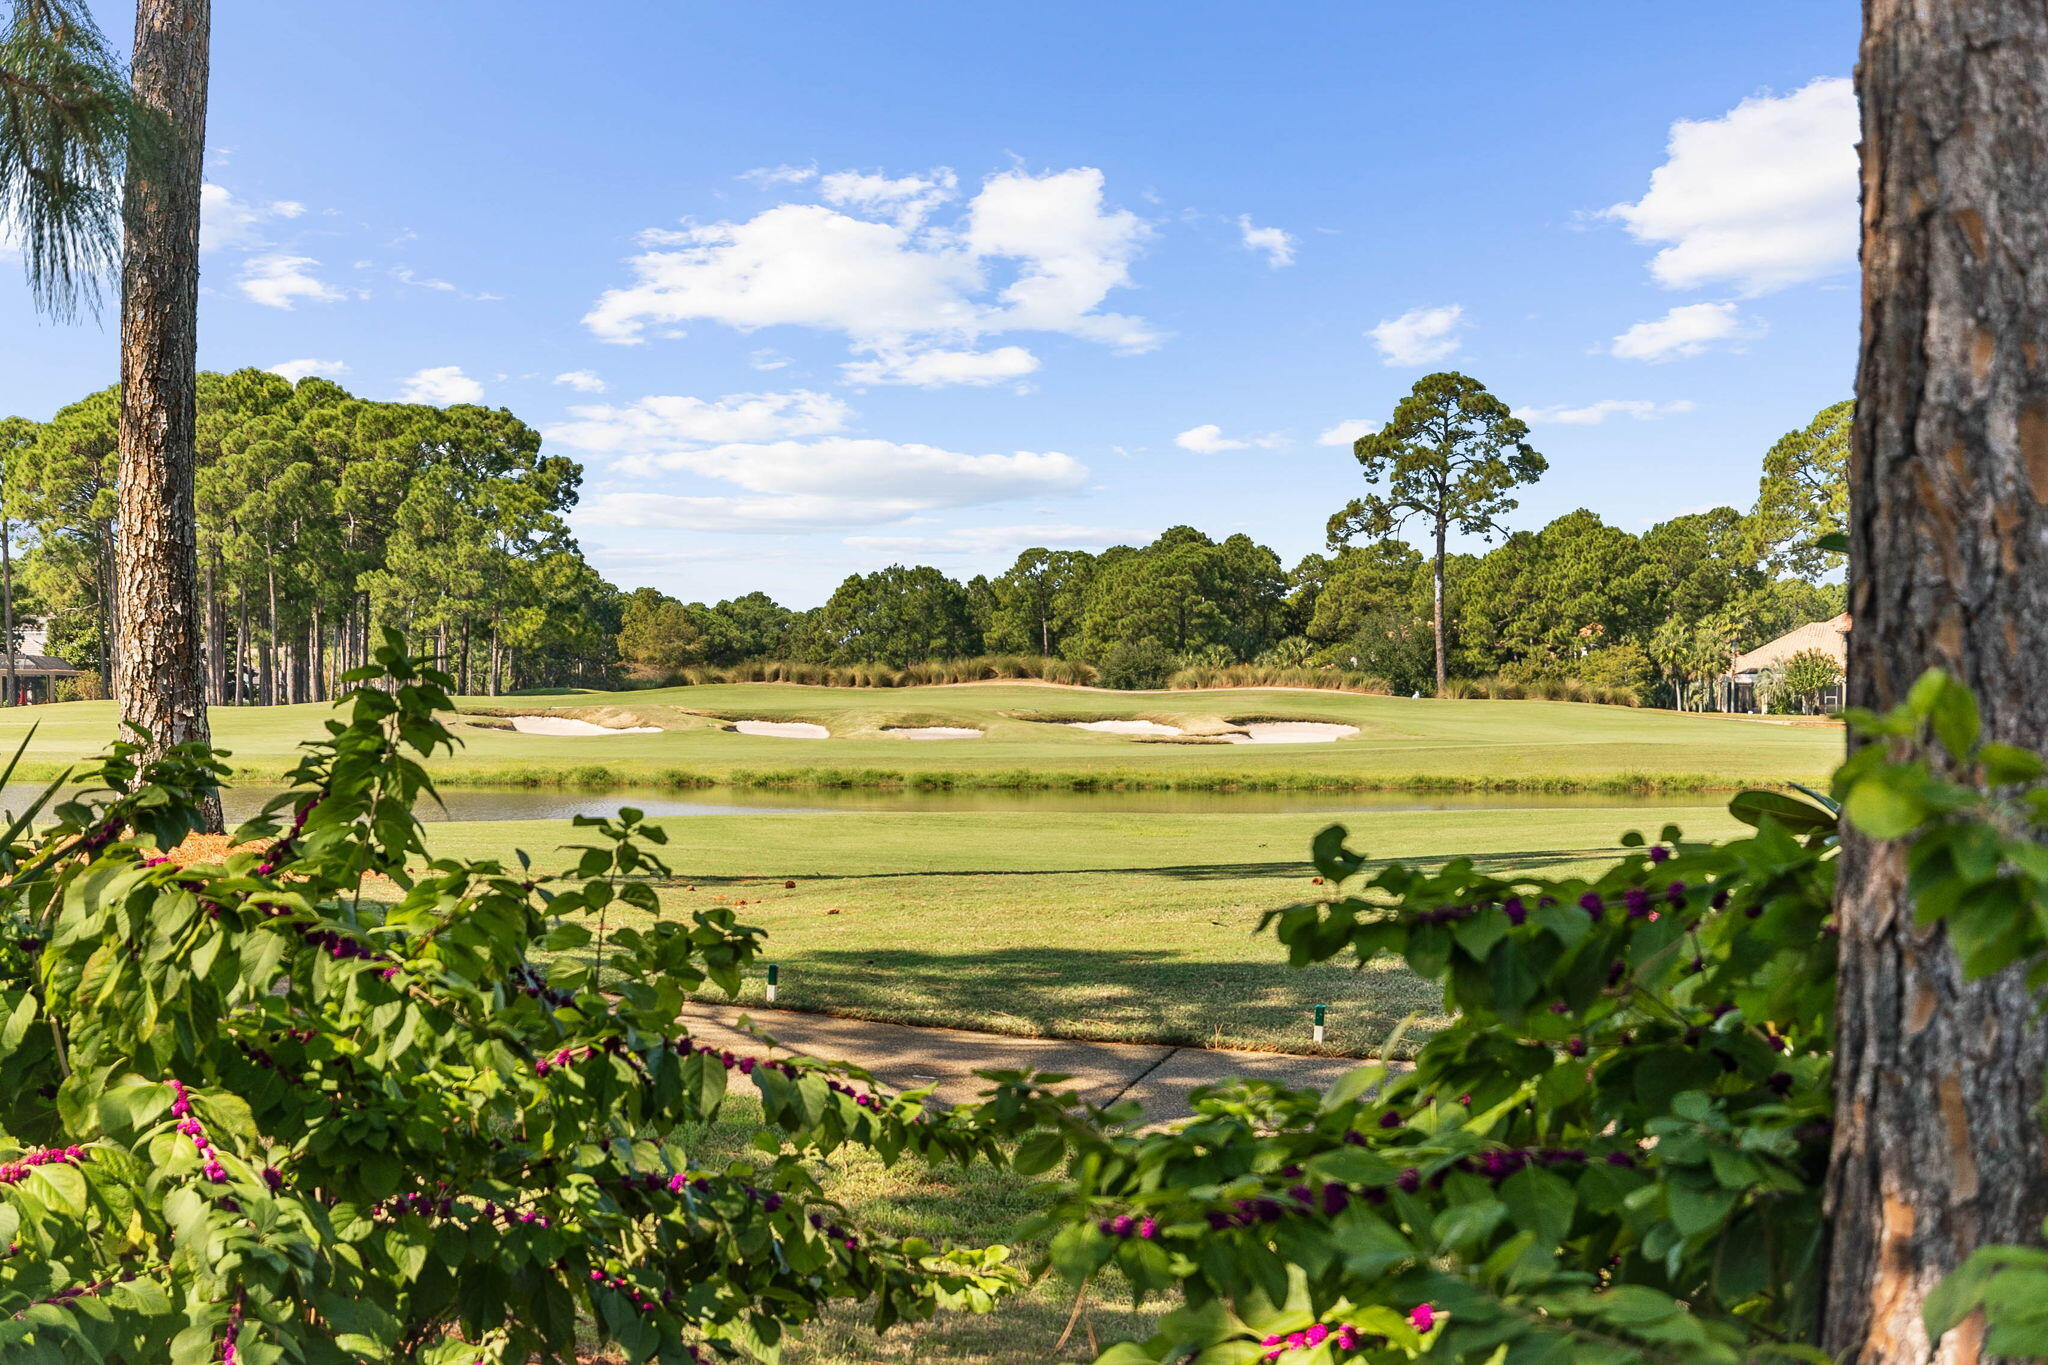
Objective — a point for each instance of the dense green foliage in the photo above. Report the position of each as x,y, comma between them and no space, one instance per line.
273,1108
324,518
1576,608
270,1105
1449,456
68,126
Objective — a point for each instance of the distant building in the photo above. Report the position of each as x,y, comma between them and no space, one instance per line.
36,671
1826,637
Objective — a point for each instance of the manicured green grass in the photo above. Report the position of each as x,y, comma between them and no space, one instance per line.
1447,745
1133,927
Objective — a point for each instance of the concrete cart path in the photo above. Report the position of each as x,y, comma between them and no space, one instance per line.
904,1057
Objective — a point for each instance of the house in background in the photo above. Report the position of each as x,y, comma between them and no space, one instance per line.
1827,637
36,672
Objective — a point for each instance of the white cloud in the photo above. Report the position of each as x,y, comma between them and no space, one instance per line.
834,482
441,385
1275,242
661,423
1070,253
1419,336
893,285
870,469
767,358
1593,414
1760,198
937,368
908,199
1686,330
295,370
765,176
278,281
1001,540
225,221
1208,439
405,274
776,516
583,381
1347,431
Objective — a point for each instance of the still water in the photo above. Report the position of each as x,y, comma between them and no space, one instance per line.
487,803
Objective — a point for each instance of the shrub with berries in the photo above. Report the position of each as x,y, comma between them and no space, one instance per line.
1616,1151
331,1099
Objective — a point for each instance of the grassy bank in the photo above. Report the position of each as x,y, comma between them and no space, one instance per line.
1401,744
1131,927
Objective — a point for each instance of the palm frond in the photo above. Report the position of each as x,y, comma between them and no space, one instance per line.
67,122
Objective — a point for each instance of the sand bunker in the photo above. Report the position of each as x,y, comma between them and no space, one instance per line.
930,732
1291,732
565,725
782,729
1125,727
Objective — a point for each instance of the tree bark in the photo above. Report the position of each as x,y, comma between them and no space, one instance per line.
1437,607
7,611
1939,1144
156,558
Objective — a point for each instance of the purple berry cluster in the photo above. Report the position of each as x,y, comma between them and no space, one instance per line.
1638,901
634,1295
228,1354
1343,1336
1123,1227
15,1171
181,1110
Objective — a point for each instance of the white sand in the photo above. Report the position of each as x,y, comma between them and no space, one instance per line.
929,732
565,725
1126,727
1292,732
782,729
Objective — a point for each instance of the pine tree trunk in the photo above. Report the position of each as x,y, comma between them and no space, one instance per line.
156,560
7,611
242,649
270,634
1939,1144
1437,608
215,629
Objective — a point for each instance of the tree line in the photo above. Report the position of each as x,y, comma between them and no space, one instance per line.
1658,613
321,519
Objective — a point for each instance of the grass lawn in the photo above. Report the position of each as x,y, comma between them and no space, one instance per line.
974,1205
1477,745
1132,927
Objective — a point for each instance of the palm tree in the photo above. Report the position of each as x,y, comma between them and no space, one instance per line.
94,170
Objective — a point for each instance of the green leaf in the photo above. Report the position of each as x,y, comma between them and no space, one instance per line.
1038,1154
1883,809
1799,817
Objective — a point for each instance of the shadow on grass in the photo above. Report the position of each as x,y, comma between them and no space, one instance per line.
1533,861
1133,995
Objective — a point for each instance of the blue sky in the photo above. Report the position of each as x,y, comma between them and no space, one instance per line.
931,282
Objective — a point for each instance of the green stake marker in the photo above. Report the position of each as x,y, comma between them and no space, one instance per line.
1319,1021
775,972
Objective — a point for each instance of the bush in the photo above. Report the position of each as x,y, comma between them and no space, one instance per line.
323,1099
1138,666
87,686
1262,675
979,669
1618,1150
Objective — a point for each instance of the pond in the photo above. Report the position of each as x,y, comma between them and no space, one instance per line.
497,803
